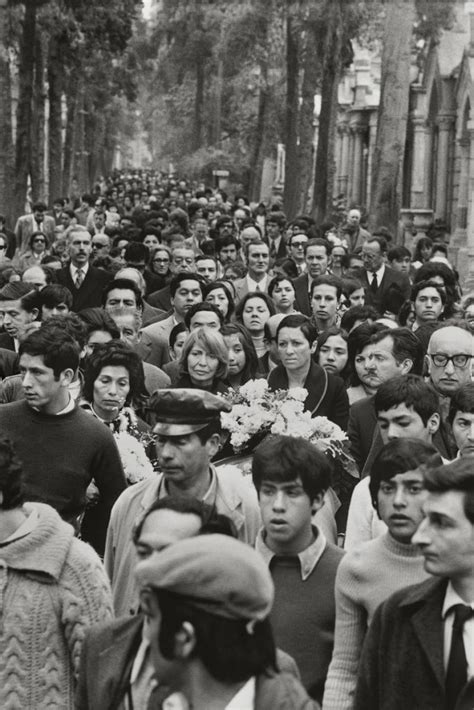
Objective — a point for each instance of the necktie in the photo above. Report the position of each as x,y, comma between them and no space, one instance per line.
79,278
456,674
258,288
273,251
373,284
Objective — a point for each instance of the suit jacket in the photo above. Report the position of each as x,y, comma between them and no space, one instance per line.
153,350
151,315
89,295
7,342
302,302
327,396
402,659
160,299
9,362
107,657
25,227
390,278
242,289
161,329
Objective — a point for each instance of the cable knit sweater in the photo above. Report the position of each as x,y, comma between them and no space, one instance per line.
52,588
367,576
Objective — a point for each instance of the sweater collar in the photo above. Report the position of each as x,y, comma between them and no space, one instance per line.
308,558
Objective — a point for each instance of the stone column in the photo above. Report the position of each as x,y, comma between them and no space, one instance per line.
370,158
358,167
464,144
428,163
445,123
344,174
418,195
470,206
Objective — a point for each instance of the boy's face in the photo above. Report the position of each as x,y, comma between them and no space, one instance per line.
286,514
402,422
400,501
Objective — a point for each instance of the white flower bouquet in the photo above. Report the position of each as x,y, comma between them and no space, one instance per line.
135,462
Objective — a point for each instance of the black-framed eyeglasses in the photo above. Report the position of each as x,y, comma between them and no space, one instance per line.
459,360
38,241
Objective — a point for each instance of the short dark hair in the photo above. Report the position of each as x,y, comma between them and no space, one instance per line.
420,285
277,217
178,504
227,650
54,294
355,313
406,346
462,401
318,242
136,251
400,456
186,276
299,321
392,300
71,324
223,242
123,284
203,306
396,253
435,268
12,485
284,458
410,390
327,280
118,354
258,242
454,476
350,285
381,241
57,348
175,331
213,286
277,280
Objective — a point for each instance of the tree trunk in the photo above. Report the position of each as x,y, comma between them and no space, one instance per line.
55,89
291,190
69,141
38,190
389,151
24,108
6,142
325,159
256,157
198,106
306,122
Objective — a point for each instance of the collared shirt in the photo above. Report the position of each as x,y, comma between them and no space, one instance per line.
74,269
379,274
451,598
308,558
142,676
257,285
245,698
27,527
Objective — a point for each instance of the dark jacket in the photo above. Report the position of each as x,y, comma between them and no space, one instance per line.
327,396
390,278
302,302
402,660
7,342
160,299
107,657
89,295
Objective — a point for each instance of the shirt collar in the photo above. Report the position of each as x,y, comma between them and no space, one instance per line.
69,406
209,497
244,699
253,284
74,269
27,526
309,558
451,599
379,274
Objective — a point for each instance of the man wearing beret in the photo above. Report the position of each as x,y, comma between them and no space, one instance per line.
206,602
188,435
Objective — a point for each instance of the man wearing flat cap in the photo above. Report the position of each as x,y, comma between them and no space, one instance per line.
206,602
187,436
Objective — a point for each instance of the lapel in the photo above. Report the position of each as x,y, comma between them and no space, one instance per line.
114,662
426,621
316,383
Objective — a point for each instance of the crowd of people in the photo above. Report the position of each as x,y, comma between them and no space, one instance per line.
140,568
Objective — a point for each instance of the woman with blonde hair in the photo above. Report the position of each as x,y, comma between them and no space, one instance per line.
204,361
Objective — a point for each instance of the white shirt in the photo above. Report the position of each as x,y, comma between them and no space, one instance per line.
252,285
74,269
450,599
379,274
245,698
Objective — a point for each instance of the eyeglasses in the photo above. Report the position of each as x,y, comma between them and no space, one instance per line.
441,360
38,241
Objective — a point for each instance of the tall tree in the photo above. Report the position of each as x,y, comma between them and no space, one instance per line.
6,142
389,152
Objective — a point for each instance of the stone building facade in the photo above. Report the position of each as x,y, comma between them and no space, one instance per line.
438,180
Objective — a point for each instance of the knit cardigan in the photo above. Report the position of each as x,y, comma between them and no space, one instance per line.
52,588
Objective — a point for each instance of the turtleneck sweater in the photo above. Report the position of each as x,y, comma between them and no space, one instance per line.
367,576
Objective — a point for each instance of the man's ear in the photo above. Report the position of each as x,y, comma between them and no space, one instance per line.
318,502
406,366
313,347
184,641
433,423
427,361
213,444
66,377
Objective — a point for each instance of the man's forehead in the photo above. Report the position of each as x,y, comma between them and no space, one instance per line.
189,285
10,305
451,339
123,292
400,410
448,503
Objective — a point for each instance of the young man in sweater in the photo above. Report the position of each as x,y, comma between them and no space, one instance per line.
61,446
291,477
371,572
